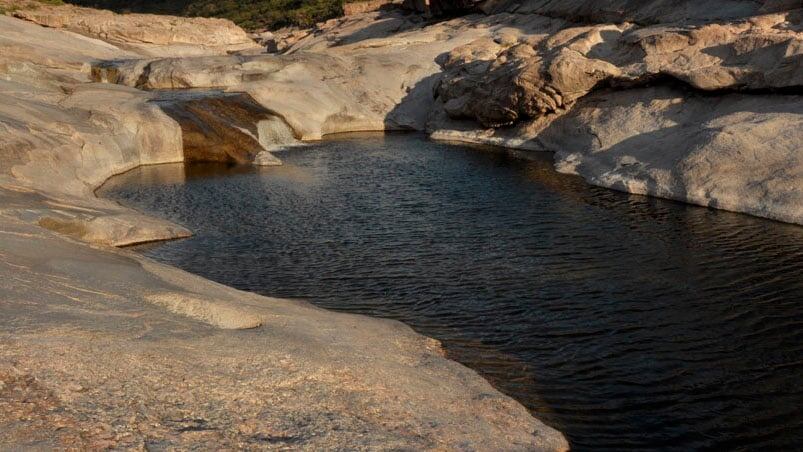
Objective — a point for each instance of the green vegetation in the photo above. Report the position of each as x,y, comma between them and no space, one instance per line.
249,14
7,7
253,14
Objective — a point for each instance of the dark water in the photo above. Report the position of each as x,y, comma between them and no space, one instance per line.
624,321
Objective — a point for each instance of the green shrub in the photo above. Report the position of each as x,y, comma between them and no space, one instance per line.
249,14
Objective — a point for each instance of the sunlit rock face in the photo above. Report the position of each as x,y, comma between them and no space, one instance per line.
584,91
502,79
88,328
736,152
689,100
506,77
145,34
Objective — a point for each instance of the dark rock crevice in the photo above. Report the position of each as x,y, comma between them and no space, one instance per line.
218,127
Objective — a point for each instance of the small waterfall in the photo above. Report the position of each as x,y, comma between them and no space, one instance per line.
226,127
273,134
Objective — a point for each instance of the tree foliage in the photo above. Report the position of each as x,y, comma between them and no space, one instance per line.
249,14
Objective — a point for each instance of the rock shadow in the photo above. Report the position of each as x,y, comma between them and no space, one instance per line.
218,127
413,111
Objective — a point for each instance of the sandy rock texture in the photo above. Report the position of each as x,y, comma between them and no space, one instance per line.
509,76
103,349
145,34
535,74
694,101
724,130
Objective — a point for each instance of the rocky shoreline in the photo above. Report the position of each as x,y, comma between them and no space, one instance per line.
623,105
103,348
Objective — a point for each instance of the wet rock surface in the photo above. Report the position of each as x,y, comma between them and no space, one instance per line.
218,127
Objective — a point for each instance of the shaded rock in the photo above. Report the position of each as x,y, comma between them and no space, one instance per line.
532,77
737,152
641,11
287,37
220,127
576,91
365,6
734,152
440,7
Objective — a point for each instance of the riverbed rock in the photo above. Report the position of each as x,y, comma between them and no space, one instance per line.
118,351
737,152
692,141
221,127
145,34
102,348
514,73
536,76
350,79
669,98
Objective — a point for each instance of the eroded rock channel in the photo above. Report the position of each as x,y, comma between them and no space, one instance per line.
619,319
692,101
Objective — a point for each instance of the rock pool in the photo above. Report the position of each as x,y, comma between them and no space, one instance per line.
624,321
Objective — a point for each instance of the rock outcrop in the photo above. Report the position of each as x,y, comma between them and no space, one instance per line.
101,348
521,74
583,92
145,34
220,127
736,152
695,101
499,82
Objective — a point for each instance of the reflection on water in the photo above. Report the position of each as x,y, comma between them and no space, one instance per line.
624,321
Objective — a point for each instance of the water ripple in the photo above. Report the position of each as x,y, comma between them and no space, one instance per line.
627,322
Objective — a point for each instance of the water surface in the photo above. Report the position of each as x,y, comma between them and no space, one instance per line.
624,321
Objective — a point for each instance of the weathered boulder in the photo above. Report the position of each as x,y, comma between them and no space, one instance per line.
737,152
533,76
145,34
